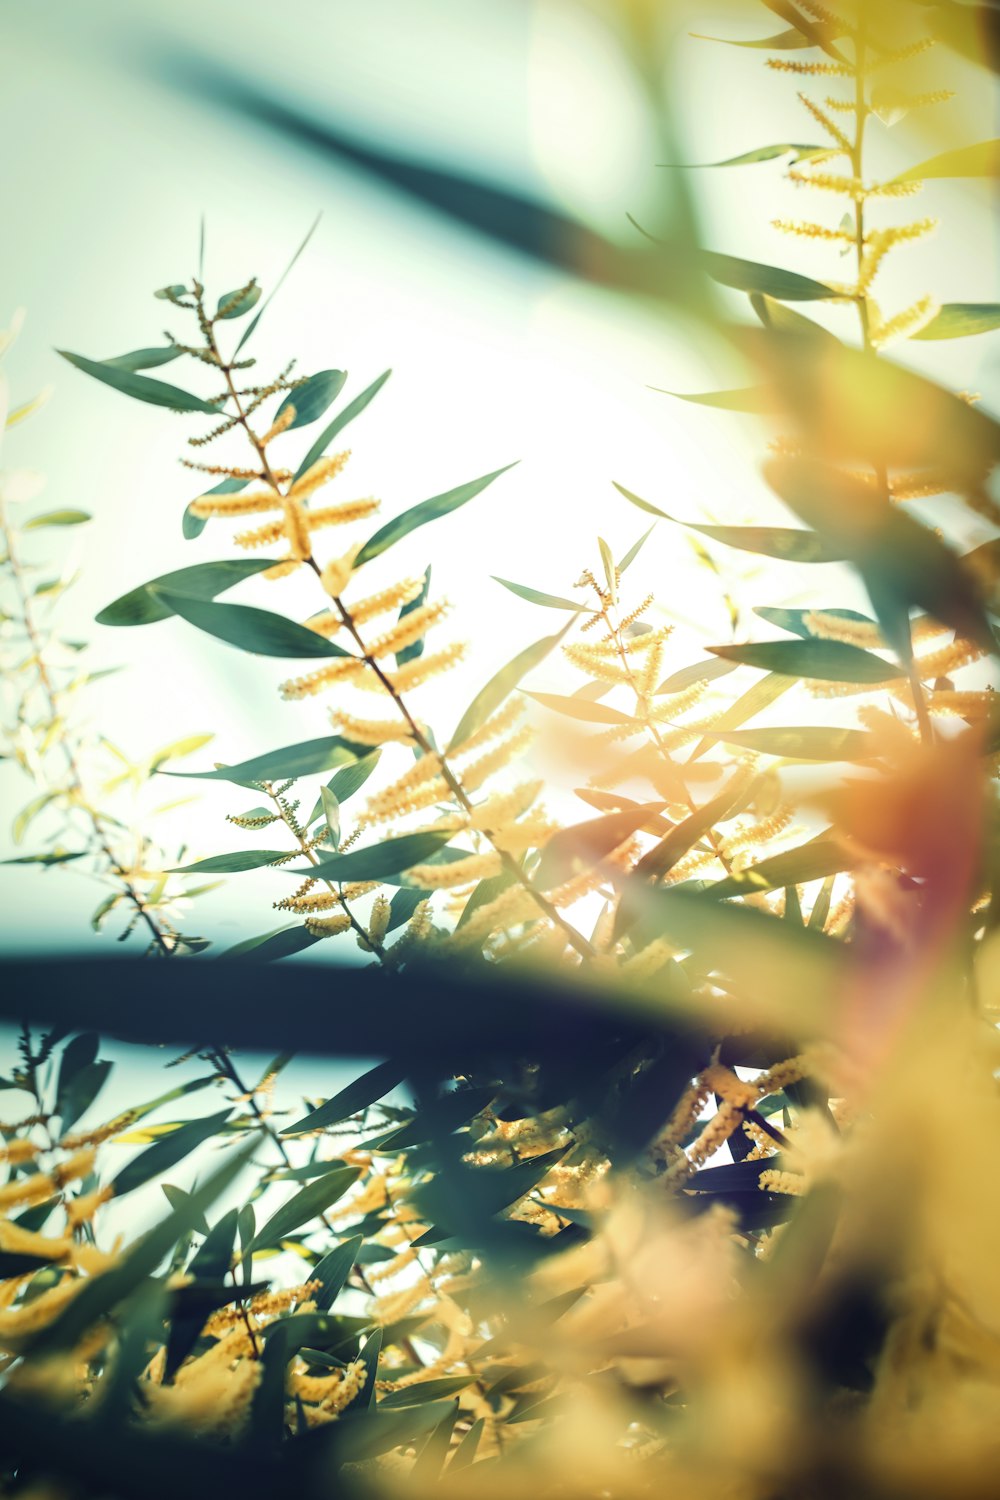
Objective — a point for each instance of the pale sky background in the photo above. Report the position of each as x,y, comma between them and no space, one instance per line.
107,167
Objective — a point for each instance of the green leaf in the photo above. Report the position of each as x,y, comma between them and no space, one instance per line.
286,763
228,308
380,861
534,596
230,864
752,398
77,1054
167,293
351,410
167,1152
756,698
796,620
808,742
415,648
813,861
901,561
57,518
142,606
403,904
501,685
782,41
980,160
307,1204
957,320
784,542
140,387
635,549
348,780
54,857
582,846
776,315
331,812
749,158
333,1270
249,629
420,515
249,329
426,1390
144,359
699,671
830,661
660,860
103,1293
367,1089
281,942
192,525
81,1091
821,906
751,276
311,400
581,708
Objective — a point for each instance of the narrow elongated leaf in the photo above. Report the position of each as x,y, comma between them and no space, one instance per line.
821,906
311,400
832,661
288,762
797,620
333,1270
752,398
380,861
348,780
251,326
756,698
749,158
782,41
230,864
807,742
415,648
307,1204
144,359
81,1092
351,410
367,1089
980,160
140,387
231,306
535,596
141,606
501,685
751,276
166,1153
784,542
902,562
76,1055
813,861
282,942
103,1293
425,1390
635,549
581,708
958,320
419,515
249,629
775,314
706,671
57,518
572,850
660,860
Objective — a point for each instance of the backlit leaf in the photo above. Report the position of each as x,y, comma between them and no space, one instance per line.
140,387
281,765
420,515
785,542
367,1089
535,596
166,1153
980,160
57,518
307,1204
751,276
230,864
380,861
143,605
501,685
957,320
351,410
832,661
813,861
581,708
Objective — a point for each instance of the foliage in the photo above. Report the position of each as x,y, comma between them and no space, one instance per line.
674,1169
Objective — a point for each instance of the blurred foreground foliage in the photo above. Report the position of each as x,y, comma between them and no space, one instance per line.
670,1168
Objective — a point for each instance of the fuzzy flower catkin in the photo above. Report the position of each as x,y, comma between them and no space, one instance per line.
323,927
460,872
418,671
336,575
371,731
321,472
408,629
341,669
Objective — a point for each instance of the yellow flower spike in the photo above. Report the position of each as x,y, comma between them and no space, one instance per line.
321,472
280,425
823,119
371,731
254,503
19,1241
418,671
398,797
336,575
494,760
459,872
906,323
26,1190
341,669
409,629
342,514
324,927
